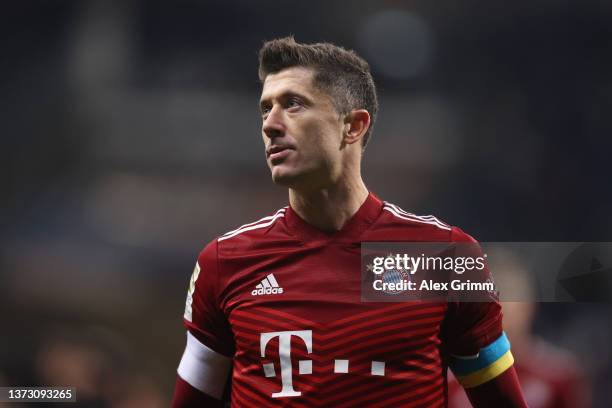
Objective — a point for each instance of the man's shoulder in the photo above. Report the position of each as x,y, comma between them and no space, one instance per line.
395,223
260,232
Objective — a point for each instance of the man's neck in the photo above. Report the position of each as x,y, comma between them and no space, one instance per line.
329,209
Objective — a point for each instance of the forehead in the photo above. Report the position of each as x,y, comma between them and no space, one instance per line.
295,79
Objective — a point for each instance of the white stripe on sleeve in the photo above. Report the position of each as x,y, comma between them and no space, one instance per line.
204,368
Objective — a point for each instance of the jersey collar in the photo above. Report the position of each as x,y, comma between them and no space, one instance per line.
351,231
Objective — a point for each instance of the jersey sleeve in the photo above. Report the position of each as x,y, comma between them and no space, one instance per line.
477,346
204,317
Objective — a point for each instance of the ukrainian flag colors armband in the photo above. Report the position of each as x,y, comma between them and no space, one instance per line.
490,362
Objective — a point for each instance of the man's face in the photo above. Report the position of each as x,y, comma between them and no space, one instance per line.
301,130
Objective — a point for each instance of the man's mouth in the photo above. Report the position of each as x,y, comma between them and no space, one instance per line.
277,153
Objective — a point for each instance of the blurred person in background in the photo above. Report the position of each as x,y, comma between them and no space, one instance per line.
96,363
287,287
550,376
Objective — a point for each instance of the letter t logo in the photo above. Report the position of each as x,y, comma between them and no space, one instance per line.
284,352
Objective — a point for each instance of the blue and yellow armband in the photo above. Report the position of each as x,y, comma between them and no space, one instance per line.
490,362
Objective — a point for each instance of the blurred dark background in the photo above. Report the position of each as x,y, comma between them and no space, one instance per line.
130,138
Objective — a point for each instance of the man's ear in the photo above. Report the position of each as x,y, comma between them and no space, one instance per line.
356,124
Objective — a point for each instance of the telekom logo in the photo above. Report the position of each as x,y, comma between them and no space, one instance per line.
284,353
304,366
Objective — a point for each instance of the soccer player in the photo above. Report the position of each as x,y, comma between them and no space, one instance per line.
277,301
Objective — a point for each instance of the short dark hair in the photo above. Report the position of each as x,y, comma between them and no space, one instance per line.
343,74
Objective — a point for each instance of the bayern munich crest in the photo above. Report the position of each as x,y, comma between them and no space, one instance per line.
395,276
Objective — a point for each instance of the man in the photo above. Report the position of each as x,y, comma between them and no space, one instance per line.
277,301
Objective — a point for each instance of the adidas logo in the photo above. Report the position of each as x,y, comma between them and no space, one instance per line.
268,286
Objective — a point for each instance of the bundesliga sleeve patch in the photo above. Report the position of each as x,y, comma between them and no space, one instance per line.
192,282
490,362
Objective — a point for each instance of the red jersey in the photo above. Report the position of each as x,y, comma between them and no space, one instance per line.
282,299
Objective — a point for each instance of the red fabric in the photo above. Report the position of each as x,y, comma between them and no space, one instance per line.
472,325
320,275
185,396
504,391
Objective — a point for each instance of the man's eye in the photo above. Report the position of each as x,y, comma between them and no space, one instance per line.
294,102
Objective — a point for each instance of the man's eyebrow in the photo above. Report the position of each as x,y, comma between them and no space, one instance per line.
284,95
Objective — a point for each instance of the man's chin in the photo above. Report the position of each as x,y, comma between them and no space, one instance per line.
286,177
283,178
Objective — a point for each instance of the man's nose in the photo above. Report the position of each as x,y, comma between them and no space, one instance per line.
274,126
